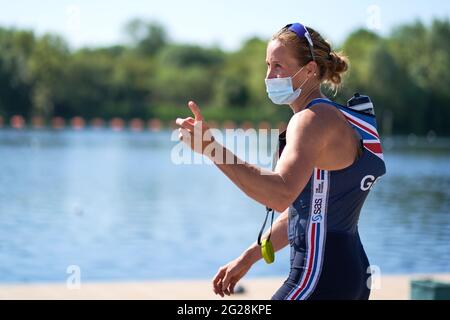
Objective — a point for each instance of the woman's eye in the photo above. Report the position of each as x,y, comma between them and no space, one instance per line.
276,65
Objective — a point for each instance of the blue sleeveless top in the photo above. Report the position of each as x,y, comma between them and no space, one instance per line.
332,200
328,208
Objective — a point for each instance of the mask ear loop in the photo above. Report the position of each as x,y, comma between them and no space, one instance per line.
268,210
292,77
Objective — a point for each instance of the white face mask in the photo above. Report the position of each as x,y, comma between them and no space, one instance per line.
281,90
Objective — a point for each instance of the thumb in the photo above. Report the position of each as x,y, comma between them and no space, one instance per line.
195,110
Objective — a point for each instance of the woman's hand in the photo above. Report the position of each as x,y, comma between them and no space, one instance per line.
194,131
226,278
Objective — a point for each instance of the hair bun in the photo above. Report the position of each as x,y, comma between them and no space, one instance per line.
336,66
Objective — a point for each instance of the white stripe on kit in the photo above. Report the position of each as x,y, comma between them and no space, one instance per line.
317,216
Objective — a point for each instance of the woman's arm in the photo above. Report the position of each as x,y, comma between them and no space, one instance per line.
305,139
278,189
226,278
279,239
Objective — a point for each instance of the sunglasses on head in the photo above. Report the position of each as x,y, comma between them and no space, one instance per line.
301,32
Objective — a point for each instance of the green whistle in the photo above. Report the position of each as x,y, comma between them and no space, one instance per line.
267,251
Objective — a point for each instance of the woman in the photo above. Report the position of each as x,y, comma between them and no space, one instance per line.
330,156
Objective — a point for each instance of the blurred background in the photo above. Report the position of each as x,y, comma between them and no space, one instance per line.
89,91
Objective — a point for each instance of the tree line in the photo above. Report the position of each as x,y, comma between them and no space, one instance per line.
405,73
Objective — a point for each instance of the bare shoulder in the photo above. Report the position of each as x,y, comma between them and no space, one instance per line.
318,121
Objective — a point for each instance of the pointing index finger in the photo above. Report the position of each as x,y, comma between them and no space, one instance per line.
195,110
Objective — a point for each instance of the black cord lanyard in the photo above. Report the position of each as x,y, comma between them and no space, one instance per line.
268,210
282,143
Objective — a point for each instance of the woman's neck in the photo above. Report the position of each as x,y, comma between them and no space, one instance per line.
305,97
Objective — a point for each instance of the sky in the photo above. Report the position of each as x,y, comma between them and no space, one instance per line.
223,23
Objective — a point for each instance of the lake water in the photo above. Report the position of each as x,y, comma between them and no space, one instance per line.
116,206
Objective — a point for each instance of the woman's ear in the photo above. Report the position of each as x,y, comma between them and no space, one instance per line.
312,69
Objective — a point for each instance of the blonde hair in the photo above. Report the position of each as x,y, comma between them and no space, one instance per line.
332,65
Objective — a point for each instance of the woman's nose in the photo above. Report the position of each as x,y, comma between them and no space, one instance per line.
270,74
